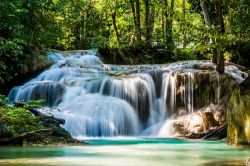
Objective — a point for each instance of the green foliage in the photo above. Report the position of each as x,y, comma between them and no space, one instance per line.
14,121
34,104
185,54
3,100
17,120
82,24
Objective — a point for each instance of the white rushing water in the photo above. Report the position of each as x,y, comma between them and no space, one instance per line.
97,99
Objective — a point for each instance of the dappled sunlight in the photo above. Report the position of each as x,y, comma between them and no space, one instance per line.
247,128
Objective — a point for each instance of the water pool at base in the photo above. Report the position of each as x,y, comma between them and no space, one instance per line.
129,152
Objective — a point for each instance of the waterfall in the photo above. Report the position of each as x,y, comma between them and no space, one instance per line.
98,99
89,114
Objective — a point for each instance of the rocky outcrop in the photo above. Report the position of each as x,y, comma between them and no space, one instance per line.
208,123
46,131
50,134
239,115
55,135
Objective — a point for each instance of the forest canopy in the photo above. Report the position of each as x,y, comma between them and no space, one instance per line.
173,29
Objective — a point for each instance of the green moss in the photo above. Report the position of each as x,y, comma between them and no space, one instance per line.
17,120
239,115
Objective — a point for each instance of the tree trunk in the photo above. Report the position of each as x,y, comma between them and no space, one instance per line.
138,19
147,8
205,12
169,25
221,30
214,52
134,16
149,20
184,23
84,29
115,27
163,20
208,23
166,18
230,15
219,17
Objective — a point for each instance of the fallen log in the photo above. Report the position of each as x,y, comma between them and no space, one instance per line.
25,135
32,133
214,134
218,133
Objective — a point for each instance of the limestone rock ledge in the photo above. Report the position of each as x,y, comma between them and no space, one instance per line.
239,115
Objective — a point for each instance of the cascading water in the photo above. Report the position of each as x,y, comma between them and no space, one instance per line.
97,99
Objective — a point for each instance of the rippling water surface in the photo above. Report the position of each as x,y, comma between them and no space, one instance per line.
129,152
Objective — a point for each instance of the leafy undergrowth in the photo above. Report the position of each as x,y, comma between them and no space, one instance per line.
16,120
21,123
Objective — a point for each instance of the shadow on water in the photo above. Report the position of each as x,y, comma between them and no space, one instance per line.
40,152
226,163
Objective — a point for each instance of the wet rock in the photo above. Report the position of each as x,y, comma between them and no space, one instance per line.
217,133
218,111
200,123
196,124
208,120
204,66
49,133
180,127
49,91
57,136
239,115
187,124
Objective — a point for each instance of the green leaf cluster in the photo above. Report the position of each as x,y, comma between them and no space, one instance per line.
29,25
17,120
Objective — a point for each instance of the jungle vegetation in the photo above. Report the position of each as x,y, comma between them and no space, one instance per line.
162,30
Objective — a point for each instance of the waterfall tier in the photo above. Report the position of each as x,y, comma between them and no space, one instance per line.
98,99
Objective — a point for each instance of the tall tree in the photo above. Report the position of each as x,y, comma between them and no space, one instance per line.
184,23
208,22
221,30
147,11
138,19
149,19
135,8
112,7
206,14
169,11
163,14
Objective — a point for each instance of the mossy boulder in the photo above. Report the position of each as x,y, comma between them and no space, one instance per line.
239,115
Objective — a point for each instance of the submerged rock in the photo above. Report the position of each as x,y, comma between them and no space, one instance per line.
239,115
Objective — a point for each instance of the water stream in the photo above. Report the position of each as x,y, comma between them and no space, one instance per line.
121,111
129,152
101,100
